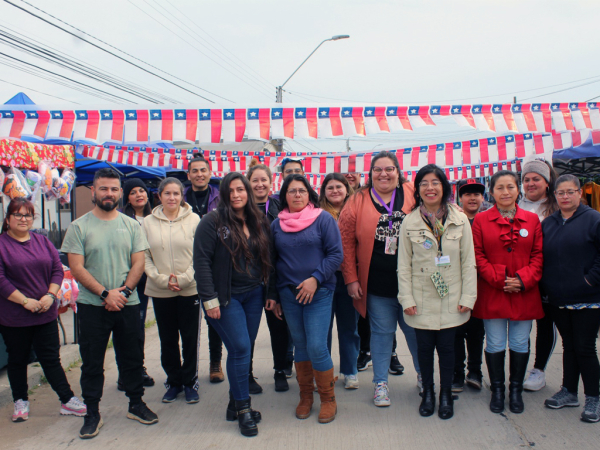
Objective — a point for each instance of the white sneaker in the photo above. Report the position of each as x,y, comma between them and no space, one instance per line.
381,396
73,407
535,381
21,411
350,382
420,382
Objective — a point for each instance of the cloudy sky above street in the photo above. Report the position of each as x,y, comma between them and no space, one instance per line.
399,52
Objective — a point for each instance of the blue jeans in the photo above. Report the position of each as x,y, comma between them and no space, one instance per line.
496,334
309,325
384,314
347,327
238,327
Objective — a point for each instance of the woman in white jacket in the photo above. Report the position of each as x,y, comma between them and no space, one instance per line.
170,232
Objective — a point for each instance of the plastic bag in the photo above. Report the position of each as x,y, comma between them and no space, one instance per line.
34,181
45,171
58,188
69,176
15,185
69,291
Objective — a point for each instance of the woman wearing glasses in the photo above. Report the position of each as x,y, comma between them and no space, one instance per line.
370,226
571,278
308,251
30,277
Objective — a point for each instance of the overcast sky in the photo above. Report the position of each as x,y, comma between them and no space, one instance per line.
399,52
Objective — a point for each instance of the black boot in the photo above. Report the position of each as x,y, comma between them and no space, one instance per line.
245,420
495,364
231,413
427,406
446,410
518,367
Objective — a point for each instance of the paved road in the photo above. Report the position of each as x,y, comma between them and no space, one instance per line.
359,423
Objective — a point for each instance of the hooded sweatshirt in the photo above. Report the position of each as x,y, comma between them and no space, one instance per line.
170,252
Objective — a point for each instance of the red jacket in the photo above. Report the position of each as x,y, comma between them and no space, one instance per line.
508,249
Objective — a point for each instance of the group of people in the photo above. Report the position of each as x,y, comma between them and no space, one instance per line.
370,257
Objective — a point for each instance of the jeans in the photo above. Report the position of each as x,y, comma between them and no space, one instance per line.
518,335
347,320
545,339
579,331
384,314
473,333
309,325
96,324
179,317
364,331
443,342
46,344
238,327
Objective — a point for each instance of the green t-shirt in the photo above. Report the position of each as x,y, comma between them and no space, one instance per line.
107,246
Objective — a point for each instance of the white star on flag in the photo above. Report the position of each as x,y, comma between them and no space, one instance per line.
181,114
131,114
434,110
31,114
573,106
253,114
536,107
516,108
323,113
369,112
391,111
455,109
56,114
476,109
554,106
204,114
509,138
527,136
300,113
276,113
592,105
229,114
81,114
496,109
414,111
106,115
346,112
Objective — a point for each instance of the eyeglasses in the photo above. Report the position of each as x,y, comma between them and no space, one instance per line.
20,216
569,193
426,184
388,169
294,192
293,171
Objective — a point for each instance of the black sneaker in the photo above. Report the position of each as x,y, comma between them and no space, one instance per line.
458,383
395,367
92,422
191,395
141,413
475,380
281,384
148,380
253,386
363,361
289,368
171,394
120,385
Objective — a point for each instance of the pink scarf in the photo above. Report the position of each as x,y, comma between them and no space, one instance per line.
298,221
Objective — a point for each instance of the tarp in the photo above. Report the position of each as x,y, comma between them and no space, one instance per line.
585,150
86,167
20,99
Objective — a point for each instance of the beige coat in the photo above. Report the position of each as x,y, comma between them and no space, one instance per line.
171,251
416,263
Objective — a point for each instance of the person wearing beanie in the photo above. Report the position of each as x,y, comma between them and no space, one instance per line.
538,179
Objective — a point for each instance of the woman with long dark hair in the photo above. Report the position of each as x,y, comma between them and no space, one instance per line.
437,280
308,250
232,264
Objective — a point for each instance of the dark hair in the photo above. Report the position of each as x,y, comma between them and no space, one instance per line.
440,175
313,197
287,161
197,158
323,202
170,180
106,173
503,173
567,178
257,223
128,209
551,203
384,154
14,207
256,165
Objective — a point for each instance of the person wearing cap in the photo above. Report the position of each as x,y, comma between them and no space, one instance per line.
291,166
538,180
470,193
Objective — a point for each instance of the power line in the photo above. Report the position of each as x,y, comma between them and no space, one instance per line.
40,92
109,52
562,90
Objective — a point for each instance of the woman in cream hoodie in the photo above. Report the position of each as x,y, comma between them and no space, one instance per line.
170,232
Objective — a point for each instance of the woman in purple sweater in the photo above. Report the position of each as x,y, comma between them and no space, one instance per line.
30,276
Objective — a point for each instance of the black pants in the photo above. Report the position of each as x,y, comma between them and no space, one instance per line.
579,331
364,331
443,342
473,333
46,343
545,338
215,344
278,330
95,327
179,317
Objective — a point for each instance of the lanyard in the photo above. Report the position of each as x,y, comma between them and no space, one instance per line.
267,207
390,208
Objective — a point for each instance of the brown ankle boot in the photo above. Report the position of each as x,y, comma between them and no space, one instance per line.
304,375
325,383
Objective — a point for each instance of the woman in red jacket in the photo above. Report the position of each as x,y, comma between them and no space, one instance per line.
508,252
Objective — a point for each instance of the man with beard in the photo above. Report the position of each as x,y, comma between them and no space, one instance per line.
106,256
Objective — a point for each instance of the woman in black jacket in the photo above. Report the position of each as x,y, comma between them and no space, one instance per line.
232,264
571,279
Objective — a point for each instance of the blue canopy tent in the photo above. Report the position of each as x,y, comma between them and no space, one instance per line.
583,160
86,167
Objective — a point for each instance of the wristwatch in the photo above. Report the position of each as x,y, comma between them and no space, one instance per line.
104,295
25,301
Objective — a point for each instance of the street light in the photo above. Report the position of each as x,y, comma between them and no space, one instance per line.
337,37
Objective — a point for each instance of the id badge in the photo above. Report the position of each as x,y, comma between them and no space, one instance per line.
442,260
391,245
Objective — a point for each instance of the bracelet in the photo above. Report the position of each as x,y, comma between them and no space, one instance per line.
54,297
210,304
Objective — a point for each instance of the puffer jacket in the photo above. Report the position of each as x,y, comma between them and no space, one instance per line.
170,252
417,249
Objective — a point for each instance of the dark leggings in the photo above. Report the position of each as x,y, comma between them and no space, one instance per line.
278,330
545,338
579,331
443,342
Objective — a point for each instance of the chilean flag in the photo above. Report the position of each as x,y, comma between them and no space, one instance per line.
86,126
580,115
419,116
136,126
234,125
440,155
210,122
439,110
492,151
306,122
11,124
503,118
542,116
352,121
375,120
111,126
462,115
36,124
160,128
61,125
185,125
482,115
329,122
561,116
397,118
258,125
594,115
282,123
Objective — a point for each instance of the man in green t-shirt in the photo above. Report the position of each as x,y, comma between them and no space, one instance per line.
106,257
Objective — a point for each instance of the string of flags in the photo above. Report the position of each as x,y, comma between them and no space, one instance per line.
232,125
